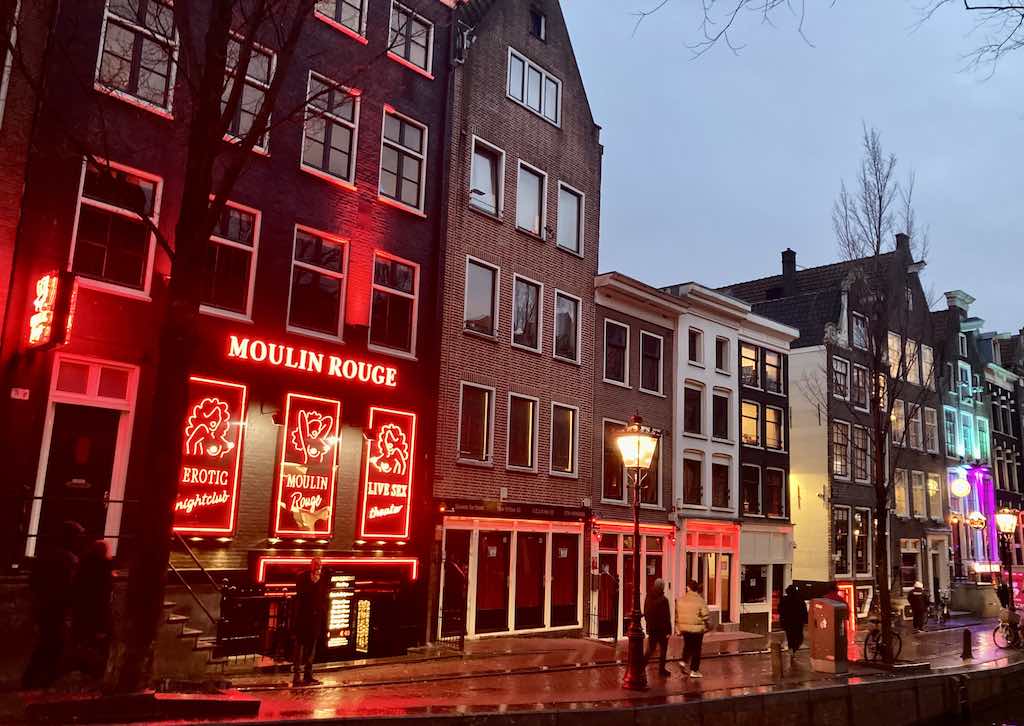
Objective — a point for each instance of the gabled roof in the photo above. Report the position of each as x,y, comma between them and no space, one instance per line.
808,313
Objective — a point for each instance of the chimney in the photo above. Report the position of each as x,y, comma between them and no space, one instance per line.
903,242
788,272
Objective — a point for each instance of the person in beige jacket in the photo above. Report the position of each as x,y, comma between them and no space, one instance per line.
691,622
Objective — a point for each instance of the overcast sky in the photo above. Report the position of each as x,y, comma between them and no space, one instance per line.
713,166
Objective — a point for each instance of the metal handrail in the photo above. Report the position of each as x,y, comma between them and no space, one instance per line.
183,543
193,594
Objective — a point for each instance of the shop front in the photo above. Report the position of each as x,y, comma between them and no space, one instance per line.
766,568
708,552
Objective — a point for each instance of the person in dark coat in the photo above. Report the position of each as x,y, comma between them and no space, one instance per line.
309,620
659,624
793,618
918,605
1003,593
90,611
53,574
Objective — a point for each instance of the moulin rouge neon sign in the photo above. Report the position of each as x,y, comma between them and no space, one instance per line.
306,474
387,477
211,458
280,355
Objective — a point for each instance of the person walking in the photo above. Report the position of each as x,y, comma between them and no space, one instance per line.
793,618
918,605
691,622
52,576
90,611
659,625
309,620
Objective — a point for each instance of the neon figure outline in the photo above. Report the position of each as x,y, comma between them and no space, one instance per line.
207,429
311,435
392,451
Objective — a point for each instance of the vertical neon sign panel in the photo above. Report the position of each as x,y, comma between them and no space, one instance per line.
387,476
211,458
306,475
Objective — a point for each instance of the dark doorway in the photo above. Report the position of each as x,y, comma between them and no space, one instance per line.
456,580
778,587
608,597
492,582
564,579
530,555
78,470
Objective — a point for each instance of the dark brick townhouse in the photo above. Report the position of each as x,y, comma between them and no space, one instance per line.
513,464
317,349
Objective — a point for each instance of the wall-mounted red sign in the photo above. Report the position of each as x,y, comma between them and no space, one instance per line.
211,458
309,453
280,355
387,476
53,295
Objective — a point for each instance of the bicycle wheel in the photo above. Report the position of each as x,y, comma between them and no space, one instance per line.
872,646
897,646
1003,636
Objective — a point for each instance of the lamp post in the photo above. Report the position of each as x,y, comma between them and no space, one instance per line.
637,444
1006,521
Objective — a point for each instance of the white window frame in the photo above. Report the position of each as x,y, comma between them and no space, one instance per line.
968,454
488,461
357,35
869,523
425,71
705,490
725,393
245,317
901,483
516,277
867,453
728,354
343,276
933,414
530,168
422,155
838,362
353,126
545,76
758,366
660,504
918,477
722,460
625,482
415,297
534,442
760,424
782,428
898,427
912,361
263,145
934,513
853,331
699,387
661,363
915,428
928,366
579,328
760,491
946,411
495,295
575,473
980,424
849,540
849,446
499,174
867,388
580,228
699,360
962,344
625,383
103,285
785,487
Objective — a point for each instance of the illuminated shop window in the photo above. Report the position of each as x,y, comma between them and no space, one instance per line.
137,58
255,84
231,260
403,150
329,131
412,36
393,308
318,283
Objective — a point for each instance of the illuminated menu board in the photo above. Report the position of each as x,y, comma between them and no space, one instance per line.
306,475
387,477
339,613
211,457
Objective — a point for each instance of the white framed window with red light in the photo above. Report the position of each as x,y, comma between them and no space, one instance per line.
394,302
330,131
411,39
348,16
316,294
230,266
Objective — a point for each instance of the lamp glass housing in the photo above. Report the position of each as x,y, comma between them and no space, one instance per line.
637,444
1006,521
960,487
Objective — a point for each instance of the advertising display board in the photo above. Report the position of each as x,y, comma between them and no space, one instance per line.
304,503
387,475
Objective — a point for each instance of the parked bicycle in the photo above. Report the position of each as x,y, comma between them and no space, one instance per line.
873,646
939,611
1008,633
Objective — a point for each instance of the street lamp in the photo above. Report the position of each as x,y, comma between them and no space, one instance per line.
637,444
1006,522
960,487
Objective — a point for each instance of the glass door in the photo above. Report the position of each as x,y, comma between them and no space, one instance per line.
492,567
531,549
608,596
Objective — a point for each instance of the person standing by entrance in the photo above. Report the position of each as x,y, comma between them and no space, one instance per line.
918,605
793,618
659,625
90,611
309,620
691,622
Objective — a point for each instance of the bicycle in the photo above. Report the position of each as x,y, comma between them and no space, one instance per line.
939,611
1007,634
873,647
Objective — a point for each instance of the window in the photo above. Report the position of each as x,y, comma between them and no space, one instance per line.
412,37
139,44
329,132
949,426
750,365
538,24
693,474
722,355
935,497
928,366
616,352
481,298
486,175
962,342
533,87
916,434
774,492
693,404
859,387
900,492
840,378
393,303
476,415
563,439
751,423
859,331
318,283
862,541
527,297
895,351
650,362
695,346
720,482
967,434
772,372
721,404
350,14
570,219
650,489
112,243
841,540
983,440
931,430
522,432
403,150
531,191
917,492
231,261
899,423
841,449
751,489
910,362
612,471
567,327
861,453
258,73
774,426
950,378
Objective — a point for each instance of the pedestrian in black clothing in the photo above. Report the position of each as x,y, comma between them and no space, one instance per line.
659,624
918,605
1003,593
793,618
90,611
51,584
309,620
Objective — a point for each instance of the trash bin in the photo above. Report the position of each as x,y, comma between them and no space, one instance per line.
827,621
